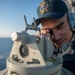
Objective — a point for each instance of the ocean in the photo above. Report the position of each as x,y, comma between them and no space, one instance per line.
5,49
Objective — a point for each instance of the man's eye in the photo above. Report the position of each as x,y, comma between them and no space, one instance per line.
60,27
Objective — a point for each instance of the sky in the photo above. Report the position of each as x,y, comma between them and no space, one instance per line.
12,15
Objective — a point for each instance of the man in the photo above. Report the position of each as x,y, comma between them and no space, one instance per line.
53,16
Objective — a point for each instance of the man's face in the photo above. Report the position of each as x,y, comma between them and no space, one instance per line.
60,30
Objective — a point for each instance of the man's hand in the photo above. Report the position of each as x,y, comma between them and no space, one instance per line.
45,32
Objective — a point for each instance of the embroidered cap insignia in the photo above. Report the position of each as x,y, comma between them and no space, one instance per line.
43,7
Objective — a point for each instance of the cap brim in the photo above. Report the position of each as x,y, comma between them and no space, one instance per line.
50,16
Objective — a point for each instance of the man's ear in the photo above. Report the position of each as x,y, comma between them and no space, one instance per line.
71,18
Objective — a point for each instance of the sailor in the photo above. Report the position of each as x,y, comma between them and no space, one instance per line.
56,21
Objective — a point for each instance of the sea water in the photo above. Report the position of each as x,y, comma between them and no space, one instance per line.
5,48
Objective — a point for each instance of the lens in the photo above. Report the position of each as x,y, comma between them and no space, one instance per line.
50,32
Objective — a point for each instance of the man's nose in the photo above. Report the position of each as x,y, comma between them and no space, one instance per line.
56,35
